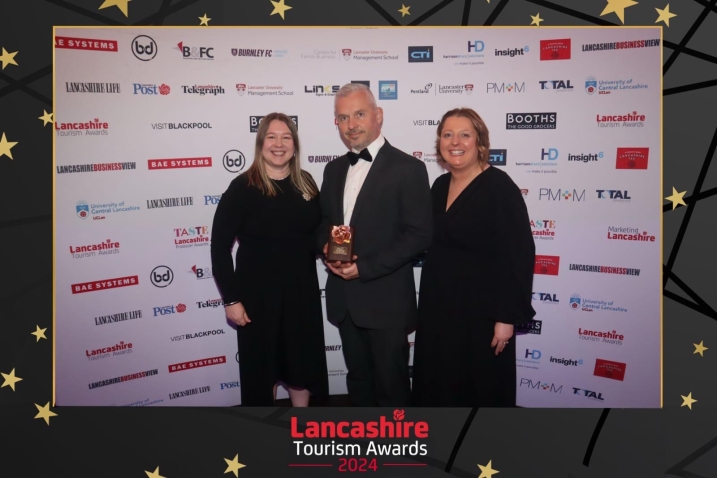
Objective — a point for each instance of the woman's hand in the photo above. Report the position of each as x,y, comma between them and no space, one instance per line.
501,335
237,314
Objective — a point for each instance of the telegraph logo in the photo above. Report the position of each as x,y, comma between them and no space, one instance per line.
233,161
161,276
144,48
420,54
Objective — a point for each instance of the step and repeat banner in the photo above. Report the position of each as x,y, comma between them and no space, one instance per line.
152,124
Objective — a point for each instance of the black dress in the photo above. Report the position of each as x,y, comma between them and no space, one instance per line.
275,279
478,271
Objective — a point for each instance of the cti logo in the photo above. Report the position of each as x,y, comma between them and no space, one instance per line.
420,54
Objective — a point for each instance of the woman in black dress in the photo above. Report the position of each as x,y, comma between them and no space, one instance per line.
273,294
476,282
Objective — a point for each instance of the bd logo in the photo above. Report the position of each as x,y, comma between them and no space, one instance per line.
144,48
233,161
161,276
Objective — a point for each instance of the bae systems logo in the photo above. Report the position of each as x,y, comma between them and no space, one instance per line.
105,284
179,163
88,44
194,364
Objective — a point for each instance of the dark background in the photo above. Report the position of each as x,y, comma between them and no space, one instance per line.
193,442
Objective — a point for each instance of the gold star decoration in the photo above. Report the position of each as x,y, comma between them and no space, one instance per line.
6,146
665,15
618,8
687,401
204,20
233,466
536,19
280,8
487,471
46,118
676,198
154,474
8,58
699,349
44,412
10,379
121,4
404,10
39,333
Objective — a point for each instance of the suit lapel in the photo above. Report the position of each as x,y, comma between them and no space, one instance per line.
373,179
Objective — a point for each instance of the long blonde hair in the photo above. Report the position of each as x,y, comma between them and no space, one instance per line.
257,174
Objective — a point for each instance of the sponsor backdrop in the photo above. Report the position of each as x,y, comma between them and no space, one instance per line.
152,125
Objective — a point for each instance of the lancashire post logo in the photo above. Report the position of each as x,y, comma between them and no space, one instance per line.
632,158
179,163
382,428
610,369
169,309
104,284
547,265
87,44
150,89
555,49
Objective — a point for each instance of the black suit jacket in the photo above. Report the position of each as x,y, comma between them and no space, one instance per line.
393,223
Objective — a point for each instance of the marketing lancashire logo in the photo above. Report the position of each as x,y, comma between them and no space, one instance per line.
179,163
632,158
547,265
555,49
631,234
194,364
87,44
105,284
610,369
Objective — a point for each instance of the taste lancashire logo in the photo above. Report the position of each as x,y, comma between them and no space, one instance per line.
543,229
555,49
191,236
632,158
105,284
88,44
547,265
383,428
108,247
610,369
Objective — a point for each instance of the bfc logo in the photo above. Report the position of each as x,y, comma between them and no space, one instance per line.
194,52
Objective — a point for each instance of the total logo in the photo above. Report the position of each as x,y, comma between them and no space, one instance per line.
556,85
150,89
191,236
144,48
161,276
546,297
550,194
615,195
505,87
588,394
543,229
194,52
543,386
531,360
169,309
212,200
202,272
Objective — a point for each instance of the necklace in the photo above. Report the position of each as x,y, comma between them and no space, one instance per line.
280,179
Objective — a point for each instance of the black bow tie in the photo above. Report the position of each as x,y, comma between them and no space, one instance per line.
364,154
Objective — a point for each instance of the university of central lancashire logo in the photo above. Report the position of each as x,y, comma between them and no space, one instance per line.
382,428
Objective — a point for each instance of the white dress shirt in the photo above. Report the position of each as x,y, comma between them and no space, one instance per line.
356,176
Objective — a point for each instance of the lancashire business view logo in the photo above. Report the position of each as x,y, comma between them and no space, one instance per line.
420,54
497,157
472,56
303,437
262,90
518,121
548,387
608,337
194,236
118,317
150,89
628,120
164,310
631,234
546,265
99,211
604,269
621,45
561,195
577,302
388,90
195,364
614,195
76,87
93,127
608,87
548,162
195,52
105,248
531,360
120,348
259,53
170,202
179,163
543,229
123,378
144,48
632,158
87,44
514,87
555,49
610,369
555,85
104,284
368,55
512,52
325,158
255,120
546,298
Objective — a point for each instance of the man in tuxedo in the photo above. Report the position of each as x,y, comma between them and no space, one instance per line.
384,194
